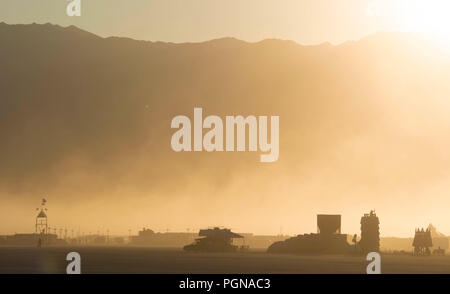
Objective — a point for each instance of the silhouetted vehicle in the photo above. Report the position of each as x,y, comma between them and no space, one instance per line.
214,240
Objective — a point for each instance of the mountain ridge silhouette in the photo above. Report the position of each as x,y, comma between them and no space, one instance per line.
83,116
76,30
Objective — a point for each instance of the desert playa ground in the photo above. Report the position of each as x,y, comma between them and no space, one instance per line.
162,260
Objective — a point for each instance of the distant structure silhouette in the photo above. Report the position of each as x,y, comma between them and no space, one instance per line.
41,219
41,225
440,241
147,237
328,224
42,235
370,233
422,242
327,240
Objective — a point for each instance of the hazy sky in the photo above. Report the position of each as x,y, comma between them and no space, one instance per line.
304,21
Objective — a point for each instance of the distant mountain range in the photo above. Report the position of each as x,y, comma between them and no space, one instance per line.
81,114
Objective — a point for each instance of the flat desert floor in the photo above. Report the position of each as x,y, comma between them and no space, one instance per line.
101,260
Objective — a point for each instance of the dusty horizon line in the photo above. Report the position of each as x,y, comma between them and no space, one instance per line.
325,43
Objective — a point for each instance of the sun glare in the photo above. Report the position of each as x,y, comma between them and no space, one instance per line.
431,17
